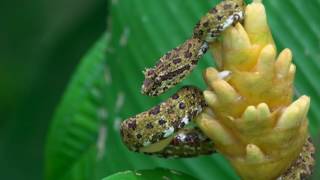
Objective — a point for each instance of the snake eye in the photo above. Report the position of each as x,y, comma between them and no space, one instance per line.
150,73
236,17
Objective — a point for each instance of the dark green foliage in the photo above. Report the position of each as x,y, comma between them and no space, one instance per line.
154,174
41,42
83,141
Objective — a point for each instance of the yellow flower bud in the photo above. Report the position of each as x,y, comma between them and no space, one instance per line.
251,117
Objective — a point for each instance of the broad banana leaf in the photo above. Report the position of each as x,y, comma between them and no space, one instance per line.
84,140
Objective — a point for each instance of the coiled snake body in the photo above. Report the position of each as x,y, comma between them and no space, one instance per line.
165,129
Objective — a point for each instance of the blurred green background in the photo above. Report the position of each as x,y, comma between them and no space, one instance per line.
42,43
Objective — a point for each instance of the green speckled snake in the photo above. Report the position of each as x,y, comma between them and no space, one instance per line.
165,129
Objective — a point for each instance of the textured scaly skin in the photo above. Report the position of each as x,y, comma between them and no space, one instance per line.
173,67
152,130
176,64
163,120
188,142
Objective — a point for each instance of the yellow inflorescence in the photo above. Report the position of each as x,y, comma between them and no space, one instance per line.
251,117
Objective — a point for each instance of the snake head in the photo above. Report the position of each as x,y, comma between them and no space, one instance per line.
219,18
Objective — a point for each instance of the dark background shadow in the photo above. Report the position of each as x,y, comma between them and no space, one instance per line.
41,42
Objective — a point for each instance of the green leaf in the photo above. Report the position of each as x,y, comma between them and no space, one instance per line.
73,135
155,174
84,140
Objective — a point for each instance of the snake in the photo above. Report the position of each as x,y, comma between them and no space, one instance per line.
166,130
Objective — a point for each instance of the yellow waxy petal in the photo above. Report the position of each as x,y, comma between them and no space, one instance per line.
214,130
210,75
283,63
294,114
250,115
265,64
225,93
256,24
210,98
253,120
263,112
292,72
254,154
241,38
236,38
